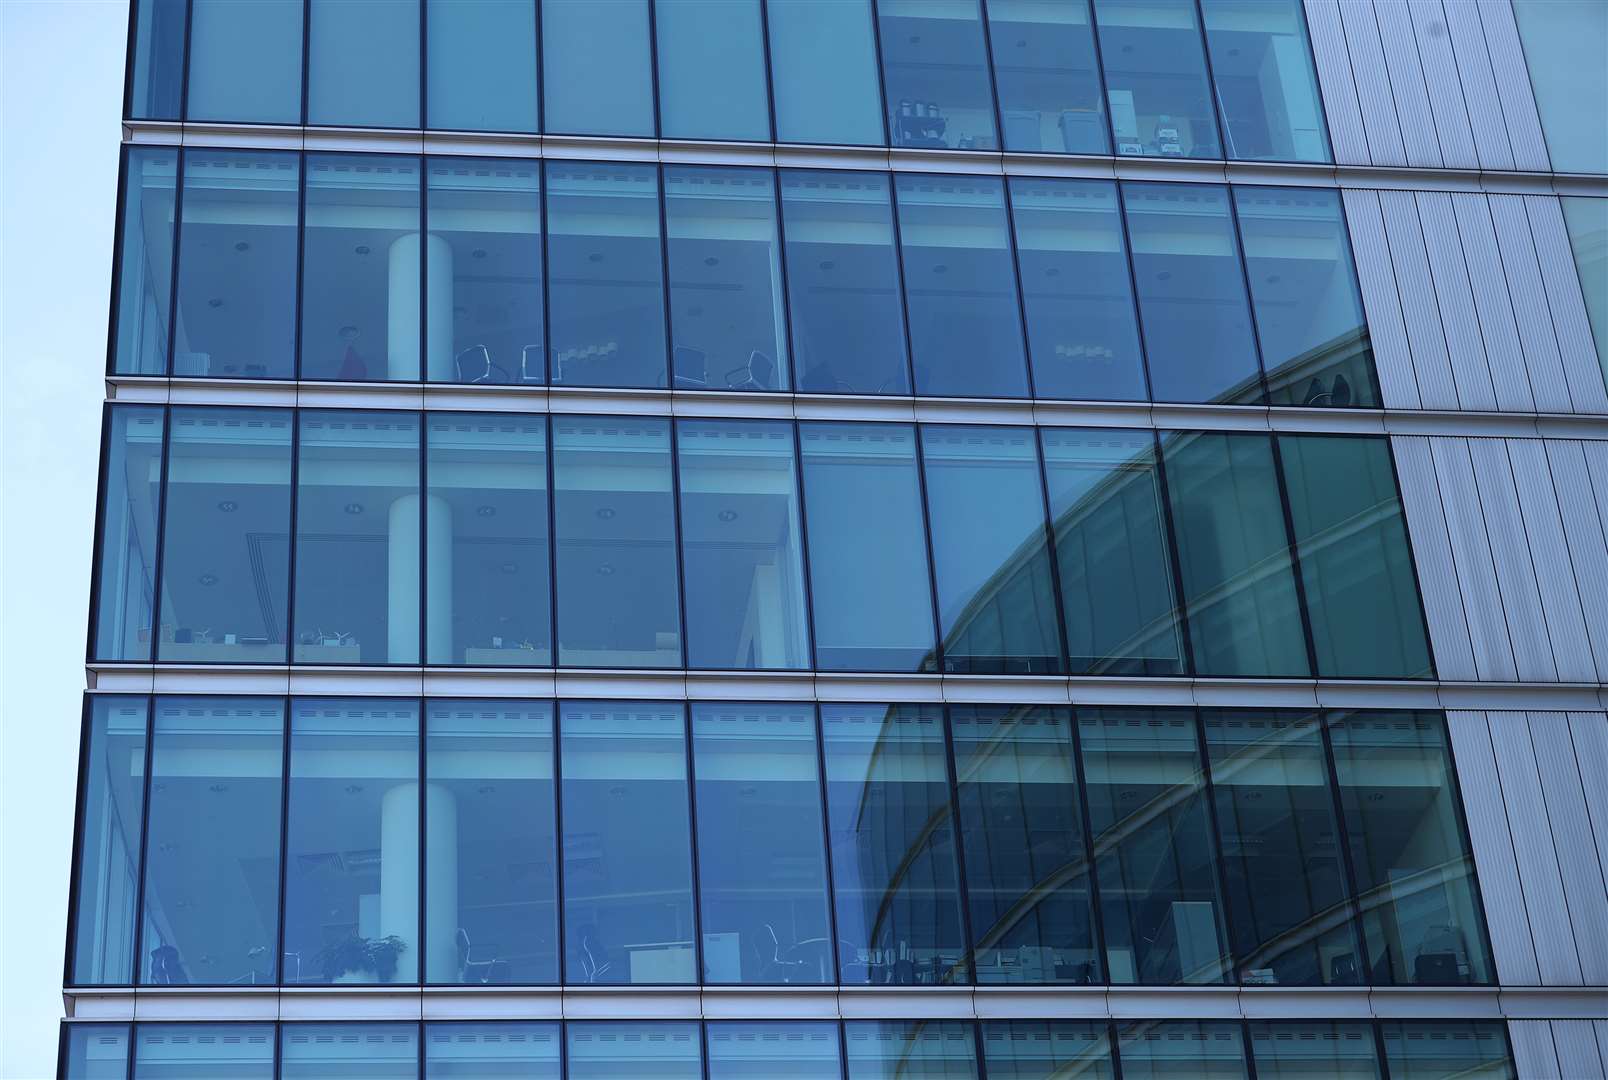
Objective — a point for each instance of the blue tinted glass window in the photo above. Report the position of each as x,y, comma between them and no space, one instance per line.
729,328
1181,1050
352,846
482,65
617,584
490,887
1082,331
1048,76
1155,73
221,1051
628,914
109,818
211,912
325,1051
1447,1049
960,287
609,1050
1265,84
492,1051
824,72
893,846
144,272
843,288
361,260
1035,1050
1197,324
95,1052
1564,43
597,67
869,589
991,559
1295,1051
363,63
711,69
1587,222
606,292
155,77
131,498
935,69
246,61
910,1050
773,1050
761,859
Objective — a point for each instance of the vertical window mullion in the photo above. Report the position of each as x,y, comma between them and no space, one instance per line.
1174,558
1096,902
1219,869
963,892
138,936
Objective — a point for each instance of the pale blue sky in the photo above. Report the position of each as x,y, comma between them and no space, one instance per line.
61,77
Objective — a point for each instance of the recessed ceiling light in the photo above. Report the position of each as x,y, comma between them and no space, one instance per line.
828,265
478,253
941,268
509,568
242,246
215,302
1274,279
208,580
362,249
486,511
354,508
1165,275
711,261
605,512
605,570
727,515
596,256
228,506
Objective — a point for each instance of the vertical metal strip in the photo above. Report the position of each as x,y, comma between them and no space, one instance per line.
75,871
940,663
161,533
421,730
289,734
835,976
1102,971
184,63
171,345
138,935
882,83
98,540
1348,872
1225,138
653,68
1007,197
770,82
1293,546
559,945
1186,639
1063,663
1208,792
1133,285
699,974
968,938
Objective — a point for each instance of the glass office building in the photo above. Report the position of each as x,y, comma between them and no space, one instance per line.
786,539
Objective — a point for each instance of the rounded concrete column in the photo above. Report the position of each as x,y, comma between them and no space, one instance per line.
402,600
399,879
402,331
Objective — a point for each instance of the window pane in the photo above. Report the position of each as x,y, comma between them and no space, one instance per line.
870,593
490,603
360,268
1048,76
727,320
843,283
1309,316
237,265
482,65
627,845
711,69
1447,1050
485,283
144,271
352,849
212,843
358,538
1034,1050
1297,1051
960,284
158,59
1356,566
1181,1050
773,1050
1082,331
597,72
108,869
363,63
1409,851
1587,222
606,293
491,893
607,1050
1564,42
761,857
131,497
1155,73
323,1051
935,69
1239,589
893,846
1117,590
246,61
996,600
740,543
618,603
95,1052
910,1050
216,1051
1281,849
226,537
824,72
1022,835
1197,324
1153,847
488,1051
1264,80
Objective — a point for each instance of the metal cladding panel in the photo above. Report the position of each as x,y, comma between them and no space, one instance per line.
1579,351
1492,841
1576,1044
1513,85
1373,89
1548,552
1597,465
1533,1052
1346,134
1510,554
1529,294
1572,838
1393,358
1459,321
1588,547
1492,304
1419,308
1602,1040
1432,551
1590,731
1417,122
1471,553
1479,85
1445,89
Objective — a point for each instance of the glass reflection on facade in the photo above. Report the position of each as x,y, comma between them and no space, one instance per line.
106,877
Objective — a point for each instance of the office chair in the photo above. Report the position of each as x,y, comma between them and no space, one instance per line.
758,374
689,368
769,951
531,372
471,970
474,365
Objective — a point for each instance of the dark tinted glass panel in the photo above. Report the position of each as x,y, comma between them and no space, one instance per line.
824,72
728,327
869,588
131,499
1447,1050
158,59
352,849
359,522
1021,829
490,888
484,304
95,1052
1265,84
761,860
1117,591
216,1051
1034,1050
1297,1051
246,61
711,69
996,600
1409,851
1155,73
893,846
363,63
1234,555
606,1050
236,313
226,541
361,260
618,603
843,284
1153,847
1186,265
965,325
109,818
1048,76
773,1050
1181,1050
1356,566
144,268
1082,332
324,1051
606,291
910,1050
487,564
628,914
211,911
935,70
482,65
597,71
489,1051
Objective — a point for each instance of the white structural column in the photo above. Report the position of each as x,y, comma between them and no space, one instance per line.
402,331
399,879
402,600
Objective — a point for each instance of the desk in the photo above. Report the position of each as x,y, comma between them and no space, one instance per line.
662,962
216,652
508,657
329,654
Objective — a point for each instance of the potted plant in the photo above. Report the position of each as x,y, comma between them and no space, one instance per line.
362,960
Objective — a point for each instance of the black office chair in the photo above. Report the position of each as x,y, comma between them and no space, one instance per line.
773,966
167,968
689,368
474,365
758,374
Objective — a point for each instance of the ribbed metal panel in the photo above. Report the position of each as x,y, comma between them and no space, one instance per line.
1575,344
1576,1044
1471,554
1530,308
1334,77
1416,122
1503,354
1588,547
1445,89
1393,359
1510,554
1602,1040
1419,309
1479,85
1454,294
1533,1052
1373,89
1549,555
1572,839
1513,85
1590,731
1597,465
1437,576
